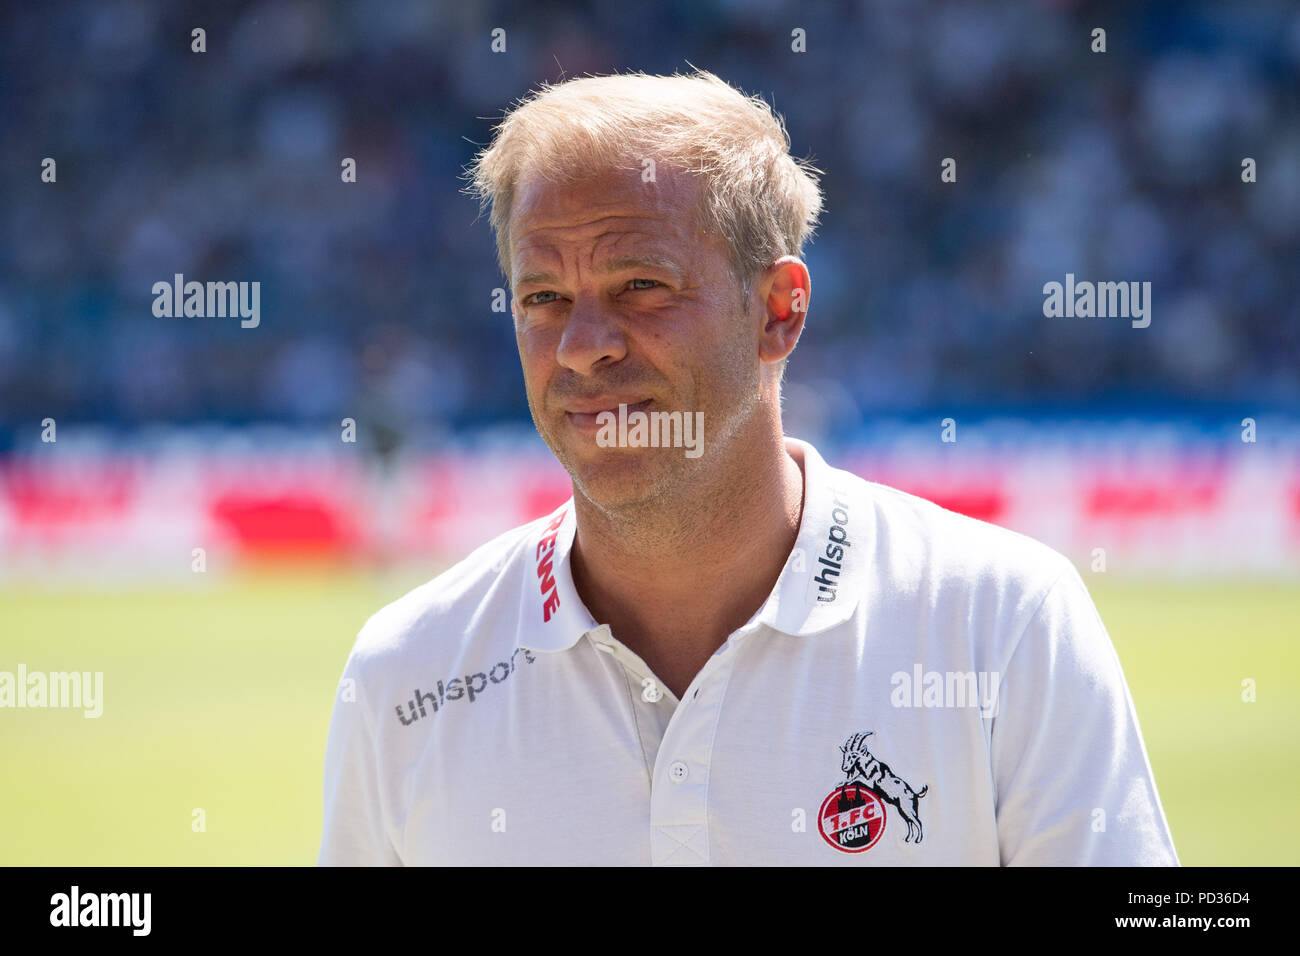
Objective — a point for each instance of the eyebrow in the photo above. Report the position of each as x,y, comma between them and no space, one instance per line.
610,266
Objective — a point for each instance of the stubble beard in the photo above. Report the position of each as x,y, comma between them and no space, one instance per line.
657,496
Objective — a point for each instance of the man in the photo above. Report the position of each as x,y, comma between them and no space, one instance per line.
721,657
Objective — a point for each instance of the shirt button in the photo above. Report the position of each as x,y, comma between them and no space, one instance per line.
677,771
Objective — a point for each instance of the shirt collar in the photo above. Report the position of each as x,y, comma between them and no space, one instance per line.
551,617
821,583
818,589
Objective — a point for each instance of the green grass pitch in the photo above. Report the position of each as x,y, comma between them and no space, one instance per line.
218,697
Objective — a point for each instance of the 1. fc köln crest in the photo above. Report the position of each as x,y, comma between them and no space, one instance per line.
853,817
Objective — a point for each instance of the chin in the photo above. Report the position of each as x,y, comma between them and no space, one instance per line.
617,478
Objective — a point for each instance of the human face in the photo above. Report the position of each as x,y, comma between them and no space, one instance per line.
618,298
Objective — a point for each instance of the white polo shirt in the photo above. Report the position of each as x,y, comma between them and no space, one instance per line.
920,688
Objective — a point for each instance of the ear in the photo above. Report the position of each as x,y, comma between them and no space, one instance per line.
785,289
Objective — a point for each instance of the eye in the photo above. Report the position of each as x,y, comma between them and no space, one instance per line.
532,299
653,282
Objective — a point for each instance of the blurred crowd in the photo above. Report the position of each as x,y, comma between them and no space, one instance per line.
376,296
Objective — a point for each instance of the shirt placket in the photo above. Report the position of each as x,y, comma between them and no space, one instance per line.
652,703
682,756
679,786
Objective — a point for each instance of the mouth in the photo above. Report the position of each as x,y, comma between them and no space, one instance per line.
588,418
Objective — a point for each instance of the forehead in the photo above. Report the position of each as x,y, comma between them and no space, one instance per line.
603,209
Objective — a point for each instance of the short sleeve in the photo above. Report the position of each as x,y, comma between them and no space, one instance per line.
355,830
1074,784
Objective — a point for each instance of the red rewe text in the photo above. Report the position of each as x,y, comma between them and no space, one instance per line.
550,599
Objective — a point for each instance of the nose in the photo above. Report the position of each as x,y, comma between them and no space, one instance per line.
591,338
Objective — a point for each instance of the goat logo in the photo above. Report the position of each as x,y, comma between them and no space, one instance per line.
853,817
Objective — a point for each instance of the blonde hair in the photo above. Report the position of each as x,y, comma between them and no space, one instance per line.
761,201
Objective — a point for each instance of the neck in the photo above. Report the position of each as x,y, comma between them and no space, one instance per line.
693,566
